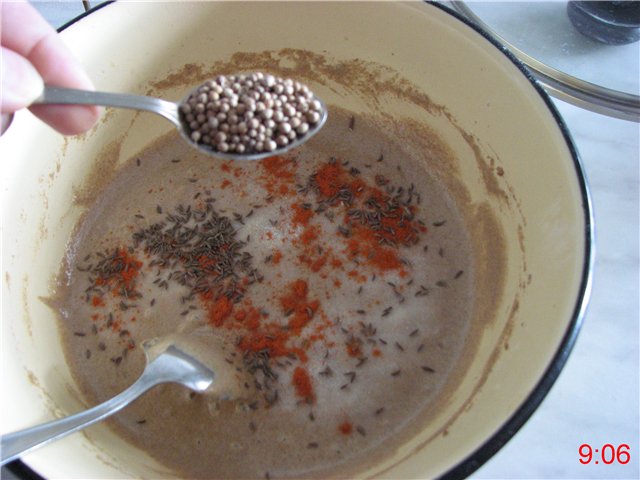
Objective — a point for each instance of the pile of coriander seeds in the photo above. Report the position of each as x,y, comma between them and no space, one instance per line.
252,113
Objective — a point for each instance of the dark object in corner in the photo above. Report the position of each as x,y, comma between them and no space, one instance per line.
613,23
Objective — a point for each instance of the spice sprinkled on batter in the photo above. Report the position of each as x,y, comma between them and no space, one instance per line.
309,268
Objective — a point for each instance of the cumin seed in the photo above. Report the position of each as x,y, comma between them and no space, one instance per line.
351,375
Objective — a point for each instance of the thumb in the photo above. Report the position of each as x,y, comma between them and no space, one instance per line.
21,83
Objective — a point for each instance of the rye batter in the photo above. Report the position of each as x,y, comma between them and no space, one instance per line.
338,278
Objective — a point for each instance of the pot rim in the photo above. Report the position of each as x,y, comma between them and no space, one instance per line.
562,85
512,425
508,430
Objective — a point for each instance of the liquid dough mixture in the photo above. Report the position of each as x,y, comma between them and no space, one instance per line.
338,278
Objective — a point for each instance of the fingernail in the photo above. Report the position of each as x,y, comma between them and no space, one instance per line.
21,83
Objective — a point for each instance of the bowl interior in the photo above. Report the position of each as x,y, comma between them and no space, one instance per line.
517,167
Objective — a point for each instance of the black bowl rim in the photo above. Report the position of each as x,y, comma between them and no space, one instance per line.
492,445
508,430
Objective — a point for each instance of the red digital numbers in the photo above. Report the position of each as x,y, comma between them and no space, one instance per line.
586,453
606,454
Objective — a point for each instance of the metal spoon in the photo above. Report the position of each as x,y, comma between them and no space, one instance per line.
173,365
166,109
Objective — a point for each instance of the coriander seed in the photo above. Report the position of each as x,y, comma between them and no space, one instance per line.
251,113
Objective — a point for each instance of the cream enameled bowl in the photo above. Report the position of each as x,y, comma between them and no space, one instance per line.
513,155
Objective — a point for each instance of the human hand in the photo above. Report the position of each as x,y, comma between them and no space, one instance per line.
33,54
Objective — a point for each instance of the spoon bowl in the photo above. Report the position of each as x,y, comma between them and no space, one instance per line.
172,365
170,111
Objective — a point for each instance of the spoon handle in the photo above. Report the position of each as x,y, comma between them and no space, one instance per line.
15,444
66,96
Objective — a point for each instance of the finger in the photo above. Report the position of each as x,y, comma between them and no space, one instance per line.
21,83
25,32
68,120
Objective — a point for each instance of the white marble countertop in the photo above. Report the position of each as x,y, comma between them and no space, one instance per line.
596,399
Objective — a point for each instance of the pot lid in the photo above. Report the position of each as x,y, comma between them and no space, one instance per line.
585,53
